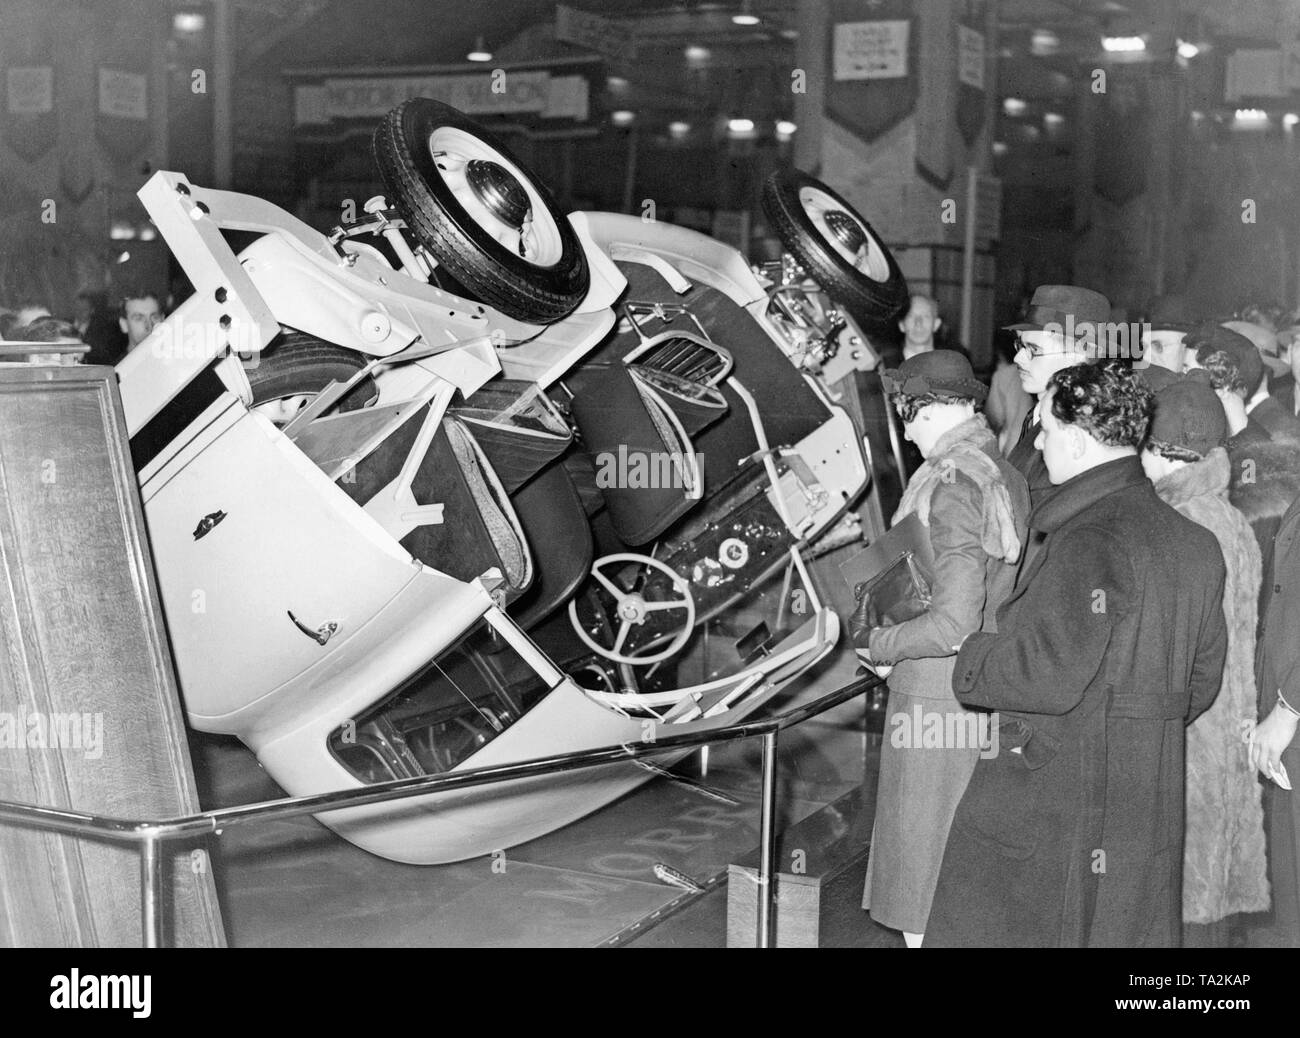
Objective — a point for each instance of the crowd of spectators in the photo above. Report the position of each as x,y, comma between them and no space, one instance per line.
109,329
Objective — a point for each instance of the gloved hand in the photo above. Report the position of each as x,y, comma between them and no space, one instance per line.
863,619
862,622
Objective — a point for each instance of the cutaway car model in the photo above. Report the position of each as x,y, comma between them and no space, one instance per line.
474,482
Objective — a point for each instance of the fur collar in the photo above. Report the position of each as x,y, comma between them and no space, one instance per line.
974,430
1207,476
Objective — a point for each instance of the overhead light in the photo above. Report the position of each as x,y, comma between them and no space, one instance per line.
188,22
1123,44
785,129
697,53
124,257
1290,120
1044,41
740,127
1250,116
616,83
1014,106
1187,51
622,117
745,16
999,147
679,129
1053,120
121,230
480,52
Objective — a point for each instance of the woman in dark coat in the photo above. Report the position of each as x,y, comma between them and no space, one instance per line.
1112,641
973,505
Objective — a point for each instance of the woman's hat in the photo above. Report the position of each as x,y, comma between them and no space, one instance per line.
935,371
1188,414
1209,338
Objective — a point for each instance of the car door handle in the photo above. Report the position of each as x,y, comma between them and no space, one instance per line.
321,634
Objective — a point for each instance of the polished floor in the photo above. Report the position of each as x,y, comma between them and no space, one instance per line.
595,882
296,883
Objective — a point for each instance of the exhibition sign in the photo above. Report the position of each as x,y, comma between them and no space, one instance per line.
495,92
874,55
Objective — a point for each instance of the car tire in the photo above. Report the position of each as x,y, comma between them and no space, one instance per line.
454,219
872,290
301,365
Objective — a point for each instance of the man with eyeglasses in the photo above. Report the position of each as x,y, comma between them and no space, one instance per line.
1061,329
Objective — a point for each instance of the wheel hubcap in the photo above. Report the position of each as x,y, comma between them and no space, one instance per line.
846,230
503,195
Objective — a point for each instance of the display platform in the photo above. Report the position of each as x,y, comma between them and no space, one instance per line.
592,883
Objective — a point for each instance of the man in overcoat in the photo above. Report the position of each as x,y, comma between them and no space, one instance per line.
1112,641
1275,749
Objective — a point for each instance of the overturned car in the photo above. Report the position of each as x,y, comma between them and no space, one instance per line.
473,482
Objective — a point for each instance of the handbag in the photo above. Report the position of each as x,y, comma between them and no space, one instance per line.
898,593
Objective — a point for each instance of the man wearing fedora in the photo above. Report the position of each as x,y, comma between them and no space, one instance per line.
1061,329
1164,334
1112,640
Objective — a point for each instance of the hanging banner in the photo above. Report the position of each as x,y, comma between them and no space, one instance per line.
124,108
31,128
1291,66
1124,124
971,65
123,95
936,99
873,63
871,50
29,91
1254,73
122,121
970,57
534,92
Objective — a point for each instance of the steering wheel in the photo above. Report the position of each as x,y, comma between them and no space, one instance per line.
632,610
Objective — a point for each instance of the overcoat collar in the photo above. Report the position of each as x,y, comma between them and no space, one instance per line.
1074,495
